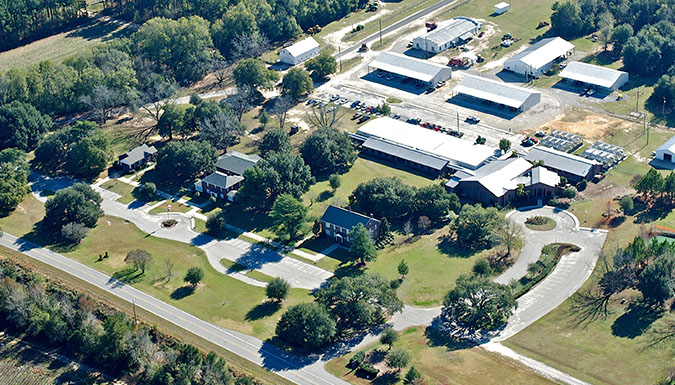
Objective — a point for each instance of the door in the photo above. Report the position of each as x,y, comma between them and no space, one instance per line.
667,157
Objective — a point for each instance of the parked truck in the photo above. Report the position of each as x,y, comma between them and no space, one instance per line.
431,25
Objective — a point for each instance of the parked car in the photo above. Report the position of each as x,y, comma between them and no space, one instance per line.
356,116
473,119
540,134
396,116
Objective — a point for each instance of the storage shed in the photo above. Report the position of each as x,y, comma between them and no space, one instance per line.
666,152
537,58
420,70
299,52
502,8
500,93
595,76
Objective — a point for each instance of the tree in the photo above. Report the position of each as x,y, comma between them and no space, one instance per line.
508,233
606,25
103,100
504,145
277,289
193,276
288,215
657,280
158,92
243,100
307,325
249,45
324,116
566,20
181,162
222,131
73,233
13,179
412,376
403,268
407,227
384,109
398,359
435,202
147,191
423,223
474,226
139,258
620,36
334,181
280,109
481,268
359,302
75,204
328,151
263,118
278,173
22,126
216,224
388,197
321,66
88,157
476,304
275,140
171,121
361,246
389,337
297,83
651,183
570,192
626,204
254,73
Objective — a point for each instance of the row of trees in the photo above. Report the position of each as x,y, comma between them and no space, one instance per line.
78,327
13,179
653,186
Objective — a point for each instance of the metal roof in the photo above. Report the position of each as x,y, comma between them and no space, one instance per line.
458,27
405,153
562,161
222,180
591,74
345,218
458,152
138,154
302,46
236,162
500,176
494,91
543,52
407,66
669,145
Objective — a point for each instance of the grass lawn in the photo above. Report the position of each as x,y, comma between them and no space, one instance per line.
25,216
119,187
316,245
439,361
175,207
63,45
542,224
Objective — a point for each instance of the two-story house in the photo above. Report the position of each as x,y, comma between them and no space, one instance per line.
228,177
337,223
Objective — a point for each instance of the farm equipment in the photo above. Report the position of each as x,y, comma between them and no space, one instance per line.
364,48
460,62
479,58
543,24
357,28
313,30
431,25
372,7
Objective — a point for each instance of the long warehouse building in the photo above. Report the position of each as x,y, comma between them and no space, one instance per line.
422,71
499,93
596,76
417,147
538,58
456,32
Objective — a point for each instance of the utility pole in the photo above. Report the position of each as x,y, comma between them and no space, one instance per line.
380,31
637,98
133,302
646,128
340,56
663,107
457,120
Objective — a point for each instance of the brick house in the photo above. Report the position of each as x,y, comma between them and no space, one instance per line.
337,223
218,185
138,157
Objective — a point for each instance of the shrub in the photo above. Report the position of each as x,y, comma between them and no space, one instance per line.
356,359
626,204
73,233
216,224
369,369
147,191
481,267
570,192
537,220
277,289
582,185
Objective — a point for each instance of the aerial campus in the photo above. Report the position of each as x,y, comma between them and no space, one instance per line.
337,192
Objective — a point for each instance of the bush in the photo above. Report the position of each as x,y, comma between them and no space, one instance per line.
147,192
73,233
570,192
216,224
626,204
369,370
481,267
356,360
582,185
277,289
194,275
537,220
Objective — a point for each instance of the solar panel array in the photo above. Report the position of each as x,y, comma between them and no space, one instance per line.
562,141
607,154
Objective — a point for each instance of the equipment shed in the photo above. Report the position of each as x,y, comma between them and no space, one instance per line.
493,91
537,58
666,152
457,31
299,52
593,75
420,70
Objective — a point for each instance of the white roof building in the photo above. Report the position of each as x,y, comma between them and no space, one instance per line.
299,52
666,152
458,152
456,32
573,167
501,8
497,92
413,68
537,58
594,75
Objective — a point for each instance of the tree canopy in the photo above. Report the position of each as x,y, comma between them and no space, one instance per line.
297,83
381,197
288,215
361,246
13,179
328,151
321,66
254,73
307,325
474,226
275,140
182,162
75,204
22,126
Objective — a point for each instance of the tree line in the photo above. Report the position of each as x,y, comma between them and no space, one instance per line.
80,328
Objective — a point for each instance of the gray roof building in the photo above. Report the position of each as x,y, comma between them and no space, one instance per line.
406,154
222,180
137,156
235,163
497,92
537,58
594,75
410,67
573,167
666,151
345,218
457,31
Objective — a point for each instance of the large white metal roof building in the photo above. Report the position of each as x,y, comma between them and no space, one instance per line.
299,52
594,75
537,58
421,70
457,152
457,31
497,92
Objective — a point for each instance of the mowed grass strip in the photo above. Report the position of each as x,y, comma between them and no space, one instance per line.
442,362
175,207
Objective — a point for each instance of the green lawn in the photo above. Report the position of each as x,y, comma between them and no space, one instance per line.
121,188
25,216
546,224
440,361
175,207
61,46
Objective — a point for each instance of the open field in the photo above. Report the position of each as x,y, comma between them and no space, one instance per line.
239,364
441,361
58,47
119,187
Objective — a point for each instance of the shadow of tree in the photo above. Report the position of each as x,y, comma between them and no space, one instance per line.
639,317
128,275
182,292
387,378
436,338
449,247
325,195
262,310
348,270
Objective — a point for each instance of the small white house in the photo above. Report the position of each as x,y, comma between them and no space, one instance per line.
666,152
299,52
502,8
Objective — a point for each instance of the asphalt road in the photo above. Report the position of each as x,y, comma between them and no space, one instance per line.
300,370
399,24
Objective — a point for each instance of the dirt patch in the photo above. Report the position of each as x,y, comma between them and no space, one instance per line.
590,126
606,189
